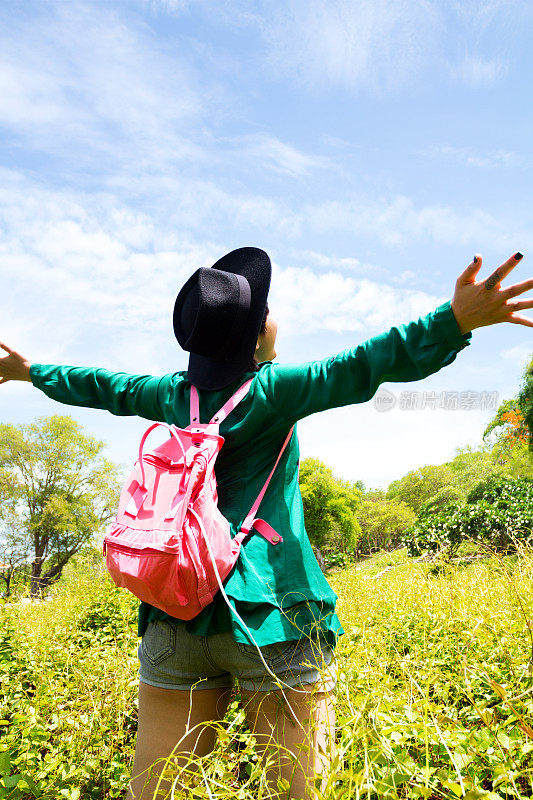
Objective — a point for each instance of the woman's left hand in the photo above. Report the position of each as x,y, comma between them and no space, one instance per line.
476,305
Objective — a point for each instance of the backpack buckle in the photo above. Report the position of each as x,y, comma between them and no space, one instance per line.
197,436
267,531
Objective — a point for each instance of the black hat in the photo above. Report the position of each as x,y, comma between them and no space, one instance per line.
218,315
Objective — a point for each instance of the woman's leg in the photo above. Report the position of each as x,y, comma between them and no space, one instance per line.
165,715
277,732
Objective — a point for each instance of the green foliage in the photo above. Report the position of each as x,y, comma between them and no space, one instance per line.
431,485
433,698
383,522
67,700
437,674
419,485
56,491
330,508
469,466
515,462
512,425
343,520
498,514
525,401
338,560
441,497
445,497
498,424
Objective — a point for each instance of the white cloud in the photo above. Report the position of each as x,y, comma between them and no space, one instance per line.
360,443
304,301
375,45
65,246
267,151
345,264
397,220
199,205
488,159
90,274
87,272
481,14
478,72
171,6
519,353
405,276
80,76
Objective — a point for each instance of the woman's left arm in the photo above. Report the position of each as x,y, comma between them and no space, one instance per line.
407,352
476,305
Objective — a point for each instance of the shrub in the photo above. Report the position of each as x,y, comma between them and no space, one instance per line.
498,513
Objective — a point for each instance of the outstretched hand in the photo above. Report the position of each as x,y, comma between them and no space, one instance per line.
13,367
485,303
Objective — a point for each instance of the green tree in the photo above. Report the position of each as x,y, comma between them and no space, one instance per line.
420,485
436,487
330,506
509,434
511,428
383,522
525,402
508,425
14,550
56,492
469,466
515,462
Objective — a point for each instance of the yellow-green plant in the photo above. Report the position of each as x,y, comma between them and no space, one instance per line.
434,697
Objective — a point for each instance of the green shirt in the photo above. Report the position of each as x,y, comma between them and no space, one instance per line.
279,591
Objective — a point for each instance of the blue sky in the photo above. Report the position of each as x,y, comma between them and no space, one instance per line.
371,147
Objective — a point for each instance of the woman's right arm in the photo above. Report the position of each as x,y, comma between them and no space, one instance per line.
117,392
14,366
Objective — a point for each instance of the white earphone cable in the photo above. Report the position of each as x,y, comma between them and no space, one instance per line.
235,612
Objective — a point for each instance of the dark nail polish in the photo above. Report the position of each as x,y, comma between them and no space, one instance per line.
475,259
518,256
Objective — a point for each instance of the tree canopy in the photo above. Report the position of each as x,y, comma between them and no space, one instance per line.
419,485
56,492
330,507
436,486
525,402
383,522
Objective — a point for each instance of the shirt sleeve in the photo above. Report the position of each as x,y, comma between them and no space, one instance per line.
118,392
407,352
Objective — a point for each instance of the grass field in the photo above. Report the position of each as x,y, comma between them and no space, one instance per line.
434,699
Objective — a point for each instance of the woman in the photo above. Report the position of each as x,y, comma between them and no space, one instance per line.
188,668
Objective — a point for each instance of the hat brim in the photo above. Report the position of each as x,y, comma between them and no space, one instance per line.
254,264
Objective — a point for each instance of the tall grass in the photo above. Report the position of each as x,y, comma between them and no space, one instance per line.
434,697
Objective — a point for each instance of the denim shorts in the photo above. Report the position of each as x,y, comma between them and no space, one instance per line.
172,658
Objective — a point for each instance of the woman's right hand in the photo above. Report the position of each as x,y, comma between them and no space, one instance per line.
14,366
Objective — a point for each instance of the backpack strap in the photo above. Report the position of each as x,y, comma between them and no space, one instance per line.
250,522
264,528
234,401
195,405
221,415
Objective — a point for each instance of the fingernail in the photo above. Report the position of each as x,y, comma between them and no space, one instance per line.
475,259
518,256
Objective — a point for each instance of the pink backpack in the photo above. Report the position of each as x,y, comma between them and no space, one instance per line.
169,544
